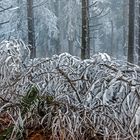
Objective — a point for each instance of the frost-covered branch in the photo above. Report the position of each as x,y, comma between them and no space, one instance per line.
98,95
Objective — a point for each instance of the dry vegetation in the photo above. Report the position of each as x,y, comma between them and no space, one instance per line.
64,98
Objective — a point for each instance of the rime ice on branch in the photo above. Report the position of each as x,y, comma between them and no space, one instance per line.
104,91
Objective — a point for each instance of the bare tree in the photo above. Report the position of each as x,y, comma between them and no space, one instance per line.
85,45
31,32
131,31
125,26
139,37
2,9
112,38
57,40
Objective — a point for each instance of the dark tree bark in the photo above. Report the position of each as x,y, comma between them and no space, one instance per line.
131,31
85,45
139,38
31,33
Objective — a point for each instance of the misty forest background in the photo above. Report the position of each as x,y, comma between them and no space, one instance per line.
56,26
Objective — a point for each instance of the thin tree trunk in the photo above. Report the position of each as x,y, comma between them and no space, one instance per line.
112,38
85,45
139,37
70,47
31,33
125,27
57,40
131,31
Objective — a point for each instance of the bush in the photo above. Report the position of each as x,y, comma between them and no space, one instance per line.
64,97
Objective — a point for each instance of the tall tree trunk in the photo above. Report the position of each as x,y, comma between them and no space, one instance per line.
70,47
57,40
112,38
131,31
31,33
139,37
125,27
85,45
